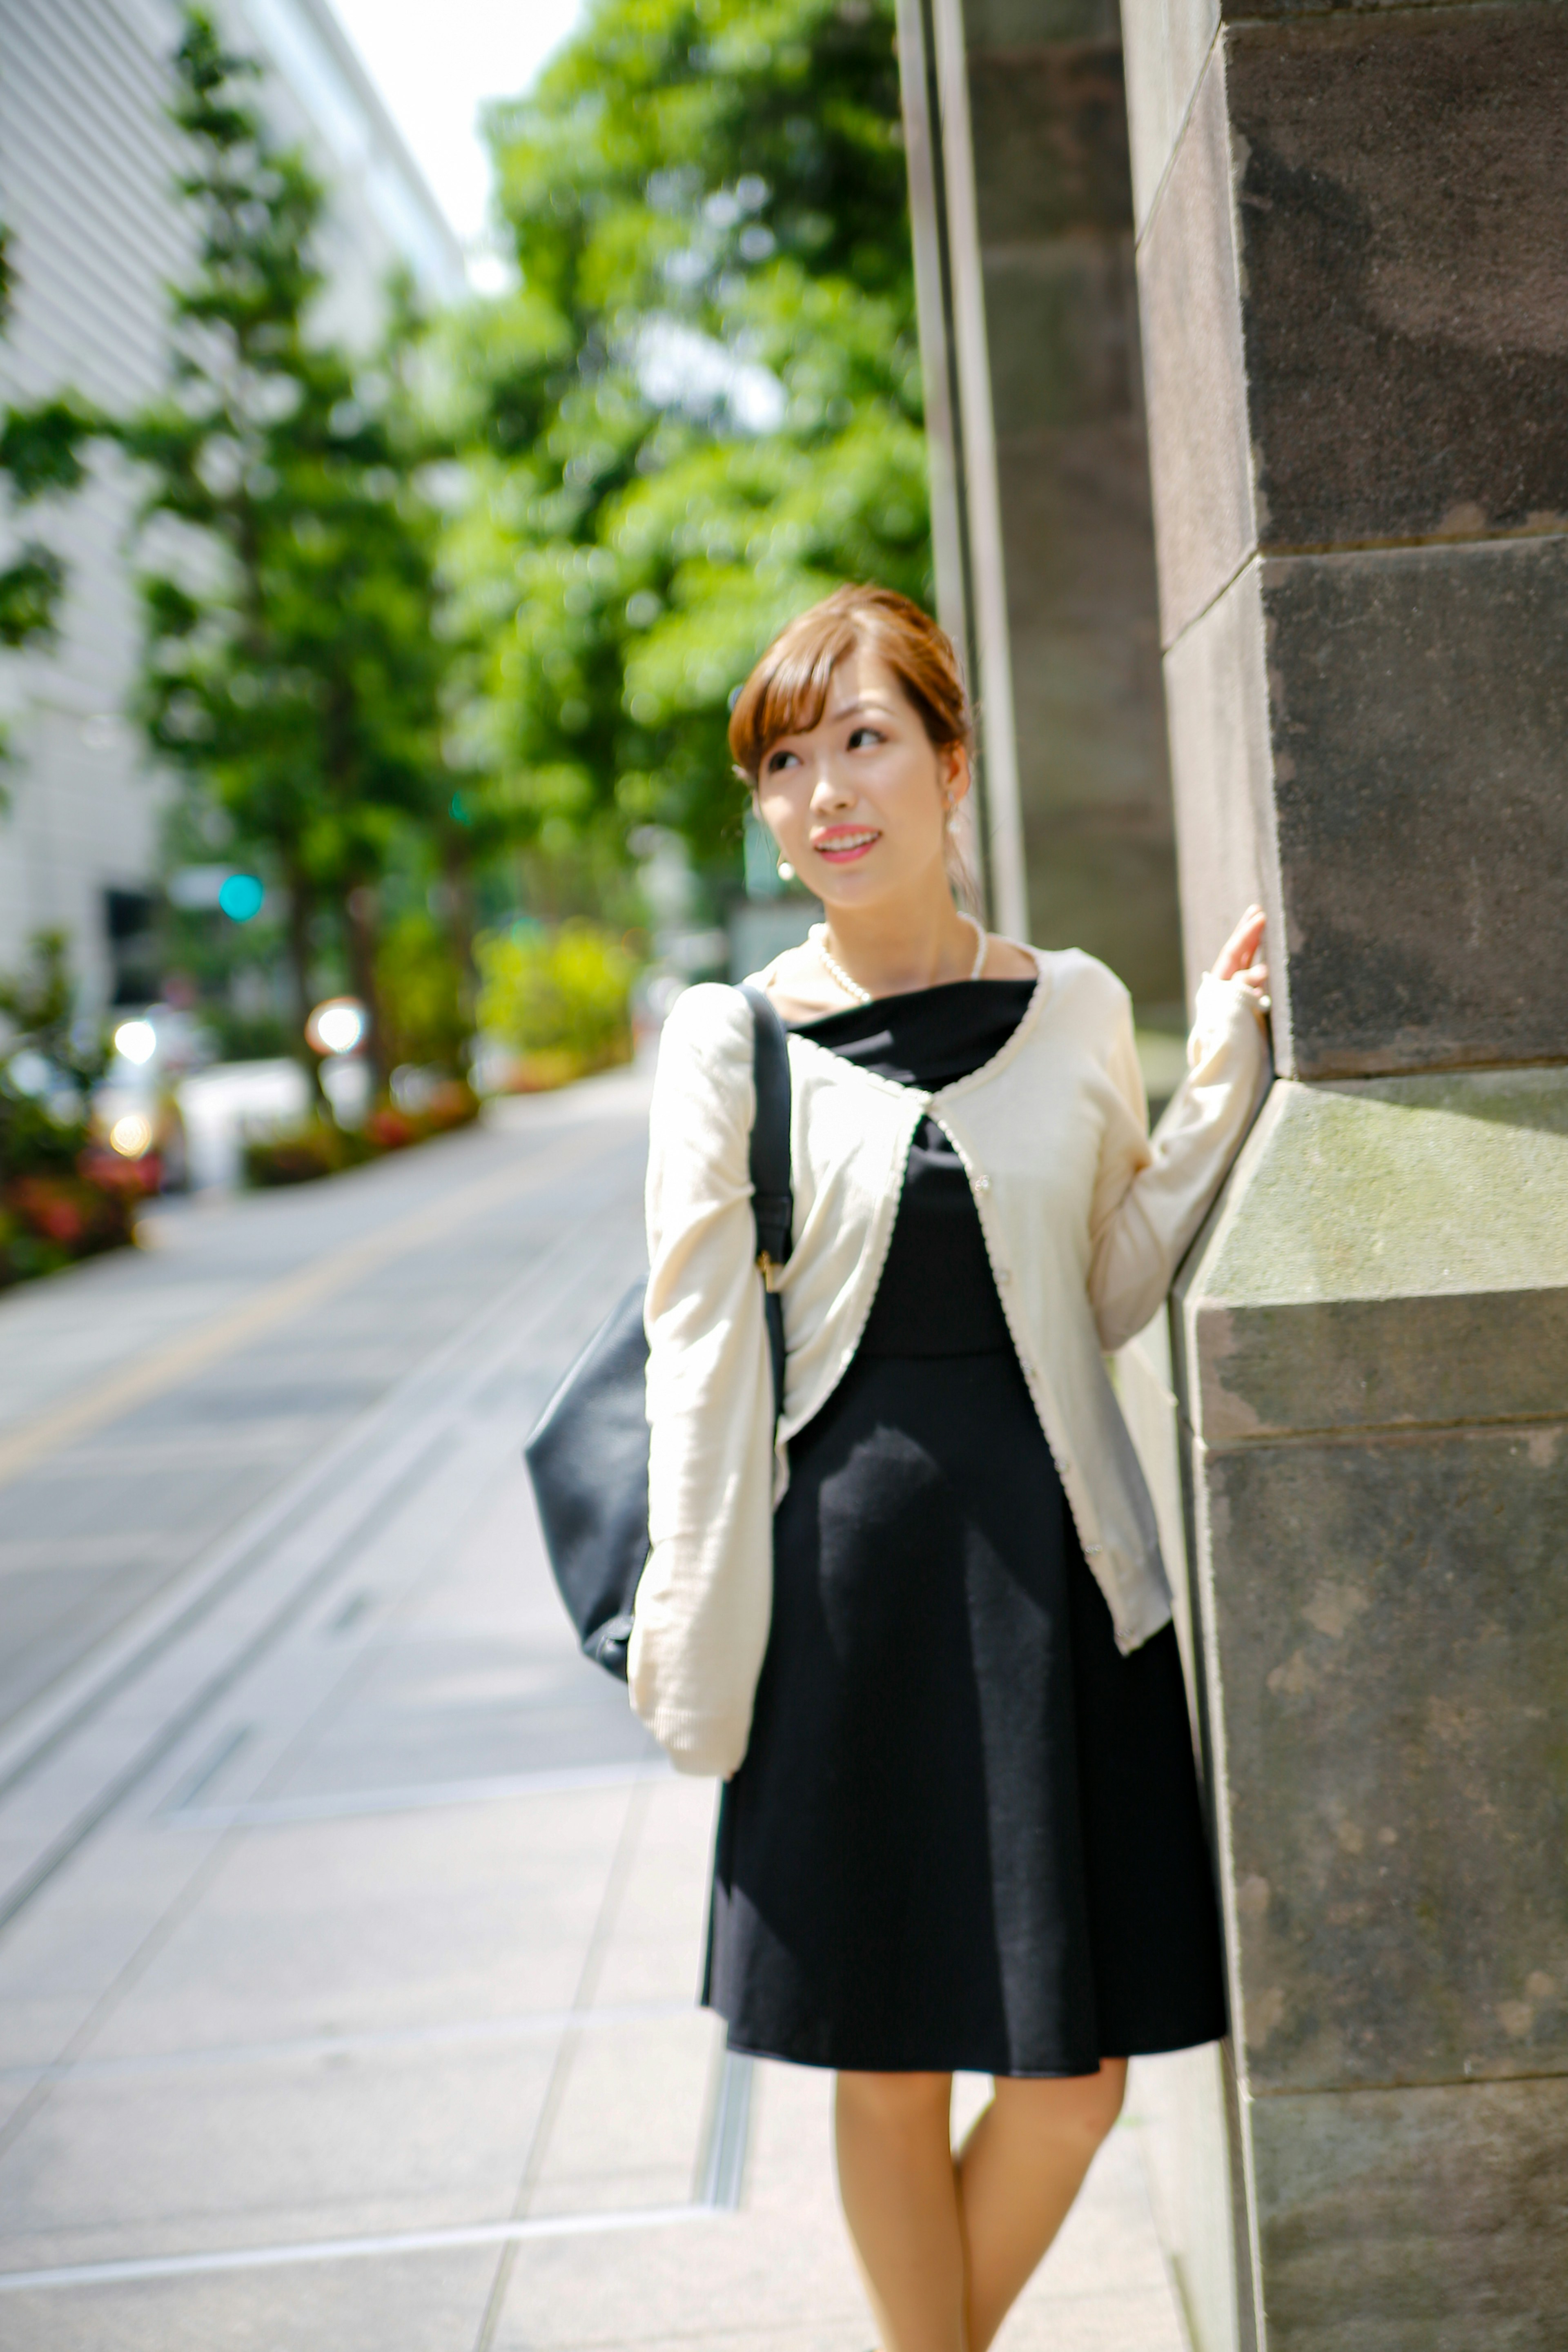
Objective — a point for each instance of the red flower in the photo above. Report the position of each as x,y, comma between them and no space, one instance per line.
390,1129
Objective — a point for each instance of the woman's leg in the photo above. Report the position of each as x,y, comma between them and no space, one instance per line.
945,2250
896,2178
1018,2172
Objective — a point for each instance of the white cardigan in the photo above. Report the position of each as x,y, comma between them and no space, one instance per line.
1085,1222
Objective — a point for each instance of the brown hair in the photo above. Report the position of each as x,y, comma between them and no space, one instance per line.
787,691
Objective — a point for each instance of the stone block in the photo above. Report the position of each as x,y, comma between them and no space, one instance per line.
1316,1301
1394,1654
1198,452
1381,1505
1049,128
1166,43
1413,2221
1106,886
1420,709
1349,1364
1076,504
1403,271
1061,332
1091,743
1088,718
1021,23
1216,703
1371,744
1290,11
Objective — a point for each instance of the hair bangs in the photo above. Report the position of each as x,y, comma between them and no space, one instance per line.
787,694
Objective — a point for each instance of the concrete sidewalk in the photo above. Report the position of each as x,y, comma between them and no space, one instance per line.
353,2005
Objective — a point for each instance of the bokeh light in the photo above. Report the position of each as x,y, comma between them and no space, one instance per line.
137,1040
241,896
337,1025
132,1136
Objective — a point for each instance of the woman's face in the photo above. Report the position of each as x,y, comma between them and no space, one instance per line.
858,803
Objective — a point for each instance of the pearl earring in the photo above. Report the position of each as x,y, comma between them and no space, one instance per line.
786,871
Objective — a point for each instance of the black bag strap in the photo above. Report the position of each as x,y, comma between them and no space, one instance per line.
771,1199
772,1196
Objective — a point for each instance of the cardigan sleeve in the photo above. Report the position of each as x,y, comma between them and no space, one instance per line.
702,1607
1151,1194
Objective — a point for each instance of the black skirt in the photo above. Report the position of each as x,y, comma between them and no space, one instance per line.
967,1831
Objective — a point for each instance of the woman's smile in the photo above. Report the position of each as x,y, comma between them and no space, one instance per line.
841,845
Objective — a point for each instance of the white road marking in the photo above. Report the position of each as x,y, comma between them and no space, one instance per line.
346,2250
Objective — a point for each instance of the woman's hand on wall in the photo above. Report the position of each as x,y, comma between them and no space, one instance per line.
1240,959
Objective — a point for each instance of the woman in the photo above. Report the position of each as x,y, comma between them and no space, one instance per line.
923,1631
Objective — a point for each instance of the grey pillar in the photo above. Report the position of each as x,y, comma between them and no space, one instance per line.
1353,253
1023,212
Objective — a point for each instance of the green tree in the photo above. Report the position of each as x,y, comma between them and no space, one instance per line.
39,1004
566,992
295,667
40,455
43,1107
701,408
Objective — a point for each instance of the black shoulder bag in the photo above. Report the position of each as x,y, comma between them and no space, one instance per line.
587,1455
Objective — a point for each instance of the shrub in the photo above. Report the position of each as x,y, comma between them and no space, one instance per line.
44,1115
38,1140
319,1146
561,999
391,1126
298,1155
62,1197
48,1221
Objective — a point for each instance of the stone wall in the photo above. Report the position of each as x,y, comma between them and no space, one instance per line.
1353,258
1054,205
1044,223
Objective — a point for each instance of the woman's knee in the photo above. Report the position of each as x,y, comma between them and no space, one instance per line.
1081,2106
898,2102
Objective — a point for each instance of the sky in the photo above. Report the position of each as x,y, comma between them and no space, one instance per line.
435,65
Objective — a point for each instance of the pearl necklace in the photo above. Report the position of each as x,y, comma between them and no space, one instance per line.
818,935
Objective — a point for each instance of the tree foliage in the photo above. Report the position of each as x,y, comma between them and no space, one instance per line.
295,665
567,991
40,456
38,1007
52,1059
699,409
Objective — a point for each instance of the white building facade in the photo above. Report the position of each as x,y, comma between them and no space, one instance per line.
88,160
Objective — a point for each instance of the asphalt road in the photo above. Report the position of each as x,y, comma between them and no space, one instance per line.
349,1923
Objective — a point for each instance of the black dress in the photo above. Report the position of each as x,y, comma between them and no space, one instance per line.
966,1834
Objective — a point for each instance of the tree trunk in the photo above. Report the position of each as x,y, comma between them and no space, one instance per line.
361,910
301,912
